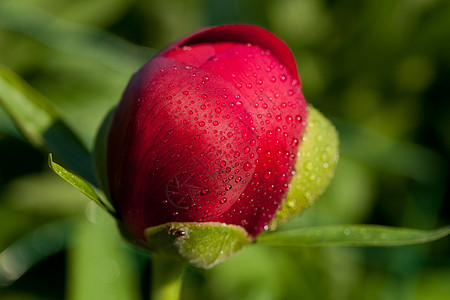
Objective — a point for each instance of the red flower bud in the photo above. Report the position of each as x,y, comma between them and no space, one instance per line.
208,131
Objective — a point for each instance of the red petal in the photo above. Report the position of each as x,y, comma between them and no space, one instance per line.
200,55
277,105
242,34
177,144
208,132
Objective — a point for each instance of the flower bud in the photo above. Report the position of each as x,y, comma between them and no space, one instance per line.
203,145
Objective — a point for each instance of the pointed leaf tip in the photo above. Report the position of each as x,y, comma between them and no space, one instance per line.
80,184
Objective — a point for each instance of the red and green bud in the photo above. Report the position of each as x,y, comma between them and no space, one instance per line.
204,151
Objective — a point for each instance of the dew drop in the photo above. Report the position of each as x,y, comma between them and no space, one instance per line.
247,166
267,174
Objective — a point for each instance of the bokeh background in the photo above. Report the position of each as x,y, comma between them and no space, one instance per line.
379,69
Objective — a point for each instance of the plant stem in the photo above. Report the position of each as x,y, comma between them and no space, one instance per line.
167,278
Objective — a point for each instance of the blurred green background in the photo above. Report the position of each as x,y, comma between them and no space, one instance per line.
379,69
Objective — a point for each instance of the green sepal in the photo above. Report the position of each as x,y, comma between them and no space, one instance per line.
317,158
203,245
80,184
351,235
99,153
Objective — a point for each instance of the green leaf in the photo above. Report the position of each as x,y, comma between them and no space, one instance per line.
203,245
40,124
80,184
351,235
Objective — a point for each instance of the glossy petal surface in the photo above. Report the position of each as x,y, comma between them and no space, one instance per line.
206,132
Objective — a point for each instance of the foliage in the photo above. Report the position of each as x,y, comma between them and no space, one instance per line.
379,69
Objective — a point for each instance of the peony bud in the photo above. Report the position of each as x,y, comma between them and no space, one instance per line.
204,143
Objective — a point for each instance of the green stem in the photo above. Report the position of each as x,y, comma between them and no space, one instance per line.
167,278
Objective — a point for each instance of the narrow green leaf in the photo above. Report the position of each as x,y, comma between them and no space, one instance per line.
80,184
352,235
40,124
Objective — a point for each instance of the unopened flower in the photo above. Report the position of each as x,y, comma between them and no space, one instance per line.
203,145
